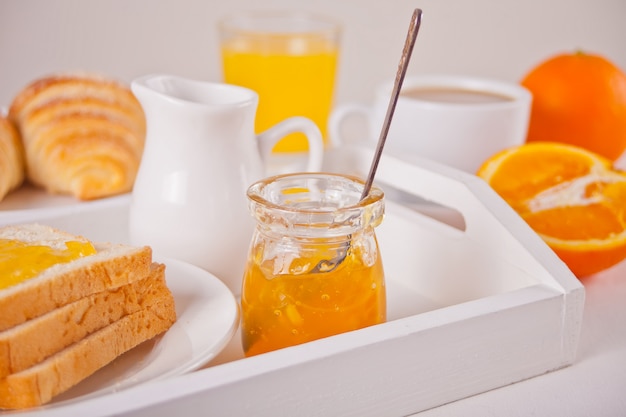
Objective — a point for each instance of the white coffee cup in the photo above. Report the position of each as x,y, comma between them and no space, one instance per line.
456,120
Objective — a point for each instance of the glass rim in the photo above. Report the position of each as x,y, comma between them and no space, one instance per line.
340,212
255,192
272,22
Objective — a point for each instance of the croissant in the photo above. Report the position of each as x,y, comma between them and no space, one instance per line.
83,134
11,158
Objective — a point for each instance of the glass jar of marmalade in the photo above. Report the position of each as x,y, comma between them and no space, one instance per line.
314,267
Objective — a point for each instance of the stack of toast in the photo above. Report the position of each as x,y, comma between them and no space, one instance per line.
68,319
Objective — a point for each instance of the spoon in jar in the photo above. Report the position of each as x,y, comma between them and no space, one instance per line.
328,265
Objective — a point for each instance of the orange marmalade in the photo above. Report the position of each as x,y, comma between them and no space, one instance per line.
288,309
20,261
304,221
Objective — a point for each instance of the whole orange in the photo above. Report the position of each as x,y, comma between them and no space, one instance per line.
579,99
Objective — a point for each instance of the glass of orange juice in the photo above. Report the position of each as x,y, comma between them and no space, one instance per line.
314,267
290,60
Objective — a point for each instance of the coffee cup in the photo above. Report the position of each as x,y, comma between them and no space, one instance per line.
456,120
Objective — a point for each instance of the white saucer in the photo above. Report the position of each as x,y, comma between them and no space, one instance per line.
208,316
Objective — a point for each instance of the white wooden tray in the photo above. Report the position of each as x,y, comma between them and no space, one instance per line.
476,301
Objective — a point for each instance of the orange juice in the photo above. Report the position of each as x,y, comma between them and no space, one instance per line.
294,75
304,220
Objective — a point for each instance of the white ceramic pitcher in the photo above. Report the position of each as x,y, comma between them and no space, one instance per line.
200,156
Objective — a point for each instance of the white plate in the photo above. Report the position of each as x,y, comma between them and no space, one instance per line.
208,316
29,203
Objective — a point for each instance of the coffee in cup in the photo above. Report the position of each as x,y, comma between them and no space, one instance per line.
456,120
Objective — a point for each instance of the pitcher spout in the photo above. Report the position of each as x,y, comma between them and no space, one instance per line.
185,91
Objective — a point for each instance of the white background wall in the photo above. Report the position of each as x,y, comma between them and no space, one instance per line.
128,38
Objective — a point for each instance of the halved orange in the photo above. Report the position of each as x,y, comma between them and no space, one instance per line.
573,198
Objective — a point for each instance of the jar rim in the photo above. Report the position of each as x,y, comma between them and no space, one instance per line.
326,202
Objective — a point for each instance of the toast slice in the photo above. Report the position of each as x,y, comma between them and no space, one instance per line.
38,384
31,342
112,266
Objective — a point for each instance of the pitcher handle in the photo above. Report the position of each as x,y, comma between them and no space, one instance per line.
271,136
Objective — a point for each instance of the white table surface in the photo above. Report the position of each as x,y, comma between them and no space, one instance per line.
593,386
